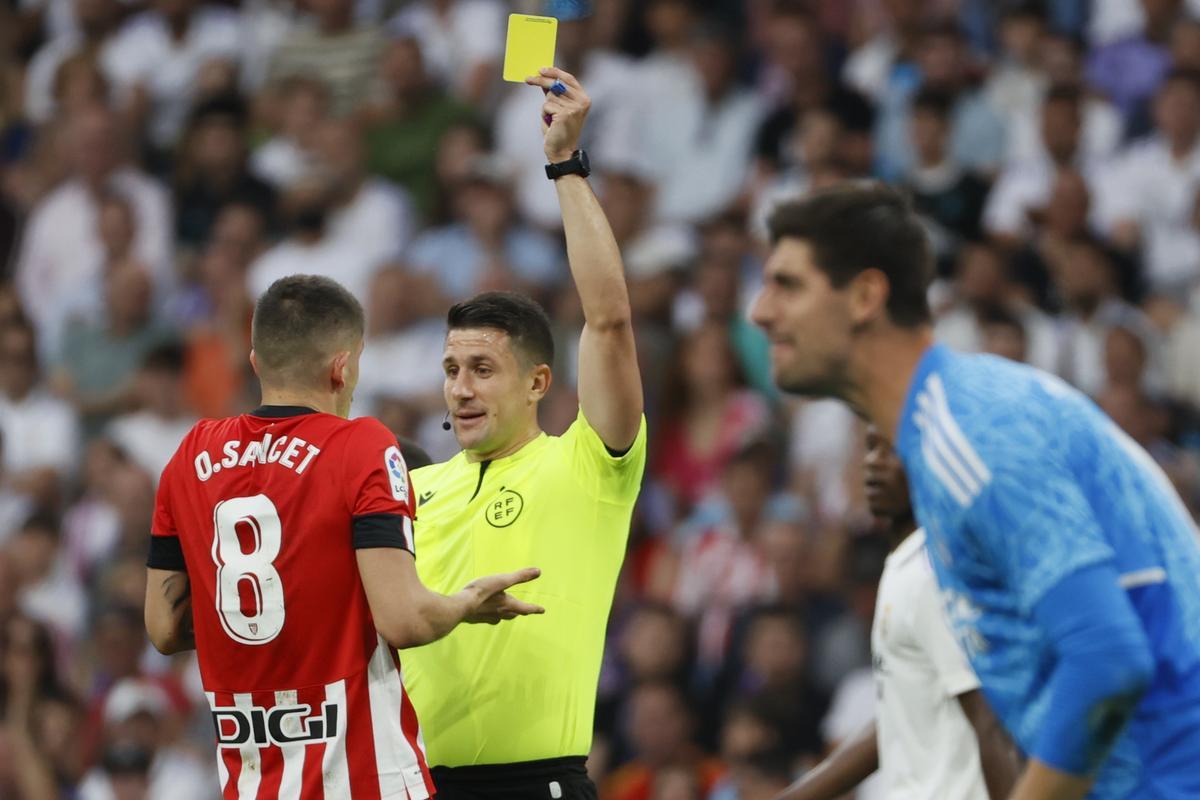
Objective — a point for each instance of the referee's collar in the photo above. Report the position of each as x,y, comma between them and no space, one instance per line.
282,412
528,449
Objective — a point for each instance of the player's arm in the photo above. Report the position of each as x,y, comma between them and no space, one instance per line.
407,614
1104,666
610,385
997,754
1035,526
850,764
168,610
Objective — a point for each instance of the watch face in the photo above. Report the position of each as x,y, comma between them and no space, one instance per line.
583,161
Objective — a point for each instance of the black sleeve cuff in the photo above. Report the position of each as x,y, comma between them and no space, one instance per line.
379,530
166,552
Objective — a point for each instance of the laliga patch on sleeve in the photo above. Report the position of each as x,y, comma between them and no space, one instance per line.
530,46
397,472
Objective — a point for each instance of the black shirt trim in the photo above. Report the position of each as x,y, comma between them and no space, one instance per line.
166,552
379,530
281,412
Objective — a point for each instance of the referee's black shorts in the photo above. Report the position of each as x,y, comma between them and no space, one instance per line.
551,779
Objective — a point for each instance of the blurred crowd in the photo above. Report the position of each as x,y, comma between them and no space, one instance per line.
162,161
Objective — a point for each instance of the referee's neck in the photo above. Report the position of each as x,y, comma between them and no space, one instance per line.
507,450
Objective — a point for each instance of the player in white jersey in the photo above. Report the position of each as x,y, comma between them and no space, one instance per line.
934,735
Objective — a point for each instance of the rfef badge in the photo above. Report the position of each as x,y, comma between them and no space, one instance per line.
504,509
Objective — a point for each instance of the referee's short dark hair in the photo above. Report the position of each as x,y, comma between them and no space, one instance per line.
300,322
521,317
859,226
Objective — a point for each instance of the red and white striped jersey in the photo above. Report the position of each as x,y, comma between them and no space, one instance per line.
265,512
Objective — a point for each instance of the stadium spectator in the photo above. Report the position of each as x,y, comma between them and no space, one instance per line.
659,726
406,130
983,283
140,728
1060,61
1148,200
1024,188
460,40
62,248
336,50
948,196
40,432
1087,282
212,171
708,415
1129,69
977,131
703,119
99,359
367,213
311,246
98,22
159,57
402,330
487,245
161,418
287,156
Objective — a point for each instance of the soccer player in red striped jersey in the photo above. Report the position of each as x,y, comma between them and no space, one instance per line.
282,550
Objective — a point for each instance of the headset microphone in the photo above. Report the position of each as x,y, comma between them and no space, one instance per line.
446,422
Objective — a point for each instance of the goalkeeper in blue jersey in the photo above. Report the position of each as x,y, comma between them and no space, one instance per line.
1069,566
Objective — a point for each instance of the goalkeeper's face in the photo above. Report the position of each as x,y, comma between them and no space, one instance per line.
808,321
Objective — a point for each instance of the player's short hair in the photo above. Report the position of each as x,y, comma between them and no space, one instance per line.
864,225
520,316
299,322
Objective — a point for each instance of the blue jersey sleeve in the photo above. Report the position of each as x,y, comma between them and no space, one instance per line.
1032,521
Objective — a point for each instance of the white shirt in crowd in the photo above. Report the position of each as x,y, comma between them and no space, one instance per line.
927,747
471,33
62,250
959,329
148,439
148,55
614,125
39,431
40,105
700,151
379,222
418,348
1148,186
334,258
1026,187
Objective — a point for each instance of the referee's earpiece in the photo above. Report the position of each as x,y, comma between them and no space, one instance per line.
446,422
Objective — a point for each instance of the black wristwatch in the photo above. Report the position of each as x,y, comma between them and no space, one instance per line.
577,164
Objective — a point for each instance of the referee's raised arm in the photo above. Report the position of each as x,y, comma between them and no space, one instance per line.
610,385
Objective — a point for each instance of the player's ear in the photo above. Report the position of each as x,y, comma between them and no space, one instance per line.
869,292
253,361
338,370
540,383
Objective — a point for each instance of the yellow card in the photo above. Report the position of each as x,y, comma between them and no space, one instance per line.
530,46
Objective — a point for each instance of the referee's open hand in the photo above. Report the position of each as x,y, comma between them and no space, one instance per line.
492,603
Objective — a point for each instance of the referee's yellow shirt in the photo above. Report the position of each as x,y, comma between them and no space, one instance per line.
523,690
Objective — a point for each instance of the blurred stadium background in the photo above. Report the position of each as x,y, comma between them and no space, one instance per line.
162,162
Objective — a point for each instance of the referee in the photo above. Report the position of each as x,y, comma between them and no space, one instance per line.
507,712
